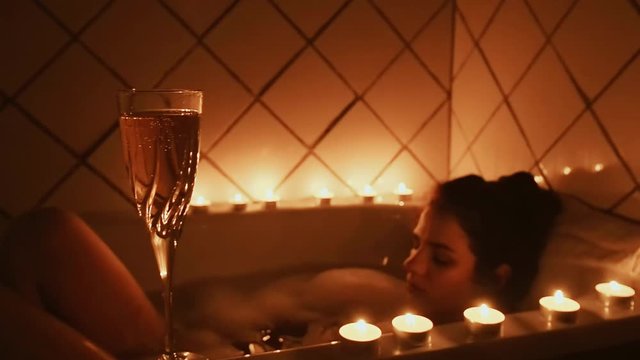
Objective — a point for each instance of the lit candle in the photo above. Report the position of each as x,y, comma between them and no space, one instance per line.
614,293
567,170
598,167
359,337
270,200
324,197
368,194
483,320
559,308
200,205
411,330
403,192
238,203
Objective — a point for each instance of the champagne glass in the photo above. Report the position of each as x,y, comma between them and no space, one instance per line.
160,139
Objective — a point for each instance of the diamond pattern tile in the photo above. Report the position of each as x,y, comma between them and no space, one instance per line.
462,44
631,206
466,167
308,96
109,160
582,162
430,45
74,14
139,39
545,102
258,152
405,96
405,169
310,15
255,41
472,110
39,38
33,168
224,98
309,179
432,142
588,46
549,12
408,16
511,42
85,192
459,142
54,98
359,44
199,14
358,147
212,185
477,13
618,110
501,149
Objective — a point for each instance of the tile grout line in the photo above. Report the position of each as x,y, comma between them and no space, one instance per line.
82,158
623,199
450,99
587,100
206,158
407,44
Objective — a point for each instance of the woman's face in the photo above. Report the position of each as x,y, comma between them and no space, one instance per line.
440,267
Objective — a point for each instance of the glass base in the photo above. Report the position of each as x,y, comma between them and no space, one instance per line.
182,355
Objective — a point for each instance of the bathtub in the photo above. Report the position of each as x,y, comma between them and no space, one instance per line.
223,244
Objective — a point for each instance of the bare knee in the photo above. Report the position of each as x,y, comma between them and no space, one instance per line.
38,226
30,238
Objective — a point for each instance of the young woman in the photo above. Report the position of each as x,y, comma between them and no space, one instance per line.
62,288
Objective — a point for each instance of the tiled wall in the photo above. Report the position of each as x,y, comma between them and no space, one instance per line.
551,86
299,95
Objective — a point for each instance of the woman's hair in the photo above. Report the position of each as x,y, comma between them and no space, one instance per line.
507,221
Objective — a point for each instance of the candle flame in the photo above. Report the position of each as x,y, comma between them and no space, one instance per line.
538,179
200,200
484,310
368,190
402,189
238,199
598,167
324,193
361,325
615,286
558,295
566,170
271,196
410,319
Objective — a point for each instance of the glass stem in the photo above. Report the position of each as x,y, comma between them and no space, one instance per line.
165,252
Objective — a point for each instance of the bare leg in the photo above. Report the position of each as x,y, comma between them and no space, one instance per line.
54,261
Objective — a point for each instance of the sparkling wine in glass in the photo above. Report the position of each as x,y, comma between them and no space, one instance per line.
160,139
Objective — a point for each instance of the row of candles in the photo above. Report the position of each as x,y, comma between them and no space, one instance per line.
323,197
413,330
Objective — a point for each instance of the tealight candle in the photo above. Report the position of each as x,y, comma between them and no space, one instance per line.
359,337
614,293
559,308
238,203
368,194
270,200
403,192
200,205
483,320
324,197
411,330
